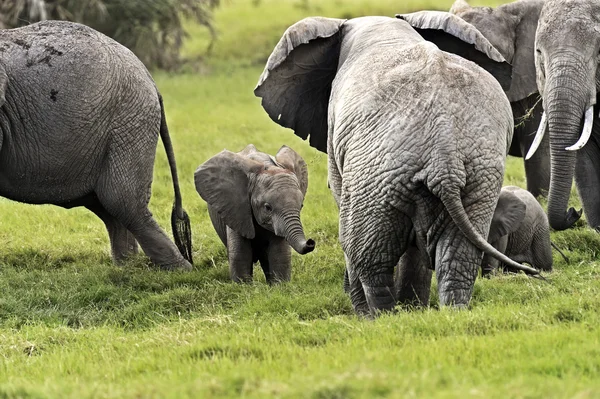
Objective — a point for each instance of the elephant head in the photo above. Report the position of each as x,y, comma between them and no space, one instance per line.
296,83
568,77
510,28
252,187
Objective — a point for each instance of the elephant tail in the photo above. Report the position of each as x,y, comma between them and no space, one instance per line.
180,221
452,202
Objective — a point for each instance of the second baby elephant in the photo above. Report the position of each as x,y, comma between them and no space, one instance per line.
520,230
254,202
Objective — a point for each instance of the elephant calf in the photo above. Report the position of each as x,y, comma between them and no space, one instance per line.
254,202
520,230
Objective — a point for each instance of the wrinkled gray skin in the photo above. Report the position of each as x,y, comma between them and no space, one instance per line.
79,125
416,140
520,230
254,203
510,28
568,78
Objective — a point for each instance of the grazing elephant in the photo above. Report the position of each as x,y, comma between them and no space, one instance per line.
80,121
416,140
510,28
520,230
254,203
568,77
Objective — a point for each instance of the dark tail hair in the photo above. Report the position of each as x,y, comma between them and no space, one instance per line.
180,221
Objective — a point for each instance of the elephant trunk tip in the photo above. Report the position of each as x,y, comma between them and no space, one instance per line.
305,247
565,221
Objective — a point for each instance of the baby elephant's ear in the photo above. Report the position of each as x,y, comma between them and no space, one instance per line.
454,35
508,216
222,182
294,162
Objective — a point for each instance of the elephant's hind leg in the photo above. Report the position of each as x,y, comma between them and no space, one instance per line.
413,279
122,242
372,249
124,191
457,263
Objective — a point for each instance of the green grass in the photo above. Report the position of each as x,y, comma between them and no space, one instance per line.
74,325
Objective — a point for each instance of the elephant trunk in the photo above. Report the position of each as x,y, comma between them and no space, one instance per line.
294,234
566,100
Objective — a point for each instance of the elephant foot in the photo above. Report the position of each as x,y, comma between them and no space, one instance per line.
458,299
380,299
182,265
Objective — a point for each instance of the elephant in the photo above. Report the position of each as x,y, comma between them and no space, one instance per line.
80,119
520,230
568,77
254,202
416,139
510,28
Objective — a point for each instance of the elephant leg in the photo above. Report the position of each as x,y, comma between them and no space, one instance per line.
239,251
490,264
413,279
122,242
587,179
276,260
123,190
457,263
354,288
372,249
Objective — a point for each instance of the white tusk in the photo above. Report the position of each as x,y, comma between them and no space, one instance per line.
586,132
538,137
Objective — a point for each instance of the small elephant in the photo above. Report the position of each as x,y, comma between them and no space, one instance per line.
254,202
520,230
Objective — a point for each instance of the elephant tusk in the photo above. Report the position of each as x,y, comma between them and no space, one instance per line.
587,130
538,137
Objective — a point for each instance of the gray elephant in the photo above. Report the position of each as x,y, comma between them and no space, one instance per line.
510,28
416,140
80,121
568,77
254,202
520,230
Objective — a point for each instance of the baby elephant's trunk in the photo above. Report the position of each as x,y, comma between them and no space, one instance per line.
294,234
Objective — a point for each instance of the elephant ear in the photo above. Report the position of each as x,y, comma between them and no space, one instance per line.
290,160
454,35
296,83
508,215
523,62
222,182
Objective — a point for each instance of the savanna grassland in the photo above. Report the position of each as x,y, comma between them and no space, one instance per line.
74,325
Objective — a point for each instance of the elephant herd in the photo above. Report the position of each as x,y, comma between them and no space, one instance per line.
416,113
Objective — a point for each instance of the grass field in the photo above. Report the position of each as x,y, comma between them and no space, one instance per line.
73,325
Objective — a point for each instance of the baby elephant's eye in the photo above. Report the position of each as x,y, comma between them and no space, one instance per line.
268,207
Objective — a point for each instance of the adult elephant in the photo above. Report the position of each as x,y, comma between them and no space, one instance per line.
416,141
568,77
510,28
80,118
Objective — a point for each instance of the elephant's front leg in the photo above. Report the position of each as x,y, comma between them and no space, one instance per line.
276,260
587,179
491,264
239,250
413,279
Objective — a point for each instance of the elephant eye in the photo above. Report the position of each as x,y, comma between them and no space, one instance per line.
268,207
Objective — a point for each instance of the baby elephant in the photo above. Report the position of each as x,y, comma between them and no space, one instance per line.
254,202
520,230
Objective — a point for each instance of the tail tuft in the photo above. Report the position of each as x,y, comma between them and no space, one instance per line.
182,233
